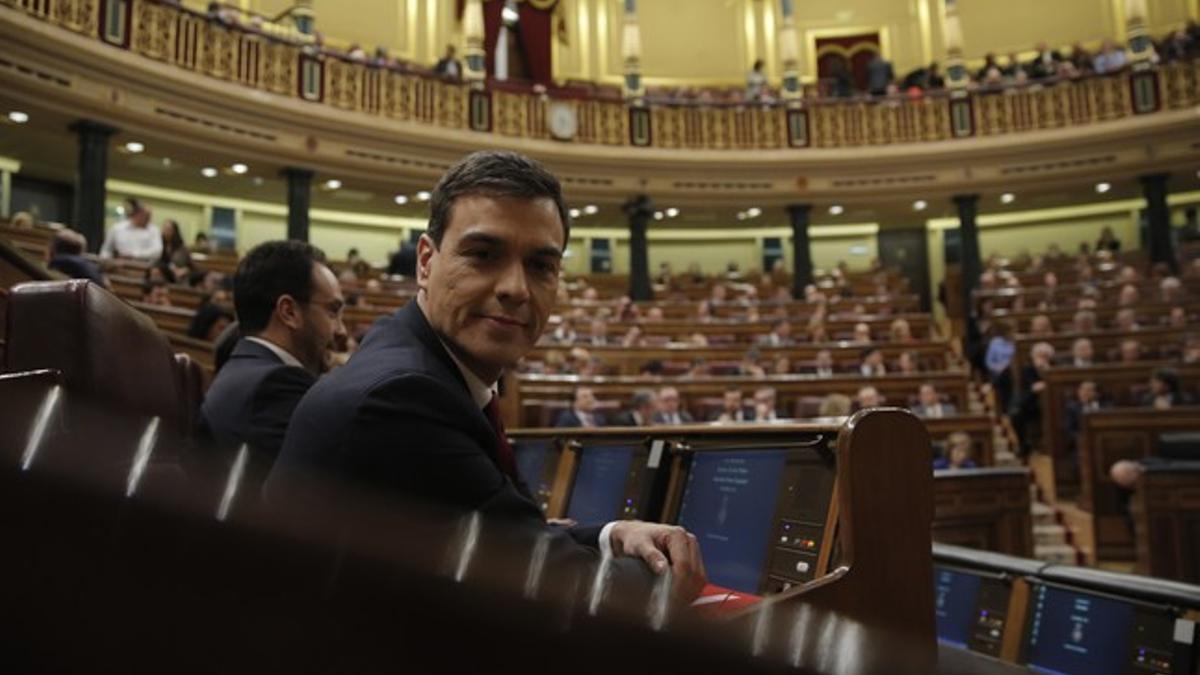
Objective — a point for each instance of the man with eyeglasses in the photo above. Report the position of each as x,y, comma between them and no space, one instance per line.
289,311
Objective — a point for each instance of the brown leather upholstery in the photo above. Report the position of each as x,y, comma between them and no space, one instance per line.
107,351
192,385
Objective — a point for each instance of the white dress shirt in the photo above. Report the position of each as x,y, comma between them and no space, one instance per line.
126,241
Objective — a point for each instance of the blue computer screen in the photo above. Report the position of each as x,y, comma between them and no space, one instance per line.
1072,632
600,484
729,504
531,461
955,598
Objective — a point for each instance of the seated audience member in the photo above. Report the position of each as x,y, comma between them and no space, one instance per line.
174,252
1191,349
413,413
632,337
599,333
907,364
780,335
1040,326
209,322
1170,291
202,244
1125,473
66,255
160,272
764,405
1130,351
862,332
1126,320
288,306
1026,411
748,366
868,397
1129,296
782,365
929,403
835,405
1082,353
1108,239
959,453
134,236
818,332
669,411
823,365
704,312
156,293
581,360
554,363
654,315
22,220
564,332
1084,321
1177,317
582,412
732,409
1087,399
643,406
1165,390
872,363
900,331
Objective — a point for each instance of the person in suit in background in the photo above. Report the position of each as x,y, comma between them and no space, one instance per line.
449,66
404,261
880,74
1165,390
732,409
1087,399
415,415
930,403
669,411
289,311
823,366
959,453
643,408
582,412
765,401
872,363
1026,409
66,255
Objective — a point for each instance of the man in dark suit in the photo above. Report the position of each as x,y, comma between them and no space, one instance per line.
1087,399
66,256
289,307
929,403
414,413
733,408
643,406
669,411
582,413
449,66
879,75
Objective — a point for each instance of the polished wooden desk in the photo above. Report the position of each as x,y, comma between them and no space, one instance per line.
984,509
1166,511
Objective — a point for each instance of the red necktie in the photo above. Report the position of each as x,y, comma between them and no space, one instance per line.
504,452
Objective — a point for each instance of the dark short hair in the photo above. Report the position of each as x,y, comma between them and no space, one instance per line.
268,271
1169,377
493,173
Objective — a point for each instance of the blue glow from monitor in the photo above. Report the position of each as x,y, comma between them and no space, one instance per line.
729,504
1072,632
600,484
955,597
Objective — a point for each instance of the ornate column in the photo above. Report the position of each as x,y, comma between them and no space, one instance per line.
639,211
631,51
971,266
802,266
1141,46
299,196
91,177
956,69
475,66
304,17
789,51
1158,217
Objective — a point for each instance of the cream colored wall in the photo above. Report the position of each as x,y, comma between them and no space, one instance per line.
253,228
374,244
1037,237
857,251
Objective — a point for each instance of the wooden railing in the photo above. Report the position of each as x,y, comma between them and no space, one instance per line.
296,69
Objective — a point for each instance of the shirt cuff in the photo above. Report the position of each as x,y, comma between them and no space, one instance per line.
606,539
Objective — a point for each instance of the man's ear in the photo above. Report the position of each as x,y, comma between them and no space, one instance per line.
425,251
287,311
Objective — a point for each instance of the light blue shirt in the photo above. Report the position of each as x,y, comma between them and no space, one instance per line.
999,354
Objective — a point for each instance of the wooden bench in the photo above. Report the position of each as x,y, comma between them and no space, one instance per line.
1164,341
1106,437
985,509
1166,510
130,289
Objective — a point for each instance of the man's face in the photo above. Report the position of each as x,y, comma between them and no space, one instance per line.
1083,350
585,400
488,289
733,401
824,358
1130,351
668,400
322,321
1087,392
765,397
868,398
928,396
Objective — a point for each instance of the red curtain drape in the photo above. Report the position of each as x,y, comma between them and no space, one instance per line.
537,30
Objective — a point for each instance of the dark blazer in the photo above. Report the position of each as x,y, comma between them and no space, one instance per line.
685,417
568,419
399,419
252,399
77,267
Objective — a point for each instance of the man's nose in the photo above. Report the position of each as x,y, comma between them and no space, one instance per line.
513,285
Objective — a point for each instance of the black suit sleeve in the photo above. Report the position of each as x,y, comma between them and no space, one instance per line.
273,404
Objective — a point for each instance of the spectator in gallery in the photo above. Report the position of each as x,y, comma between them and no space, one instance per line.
765,400
22,220
780,335
900,331
174,251
1177,318
1111,59
1045,63
1087,400
643,406
1165,390
879,75
654,315
582,412
669,411
868,397
1170,290
1128,296
990,73
134,236
156,293
211,319
862,332
1083,355
1084,321
1040,326
872,364
1126,320
732,408
66,256
1108,239
1191,348
756,82
633,337
958,454
599,333
835,405
929,403
907,363
823,364
449,66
